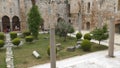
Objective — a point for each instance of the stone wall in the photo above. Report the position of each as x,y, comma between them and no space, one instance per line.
105,8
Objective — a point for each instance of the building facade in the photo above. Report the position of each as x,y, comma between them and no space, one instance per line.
94,13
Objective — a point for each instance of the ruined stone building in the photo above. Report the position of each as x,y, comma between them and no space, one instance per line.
94,13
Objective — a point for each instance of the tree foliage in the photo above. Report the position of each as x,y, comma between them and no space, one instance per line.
34,21
100,33
62,28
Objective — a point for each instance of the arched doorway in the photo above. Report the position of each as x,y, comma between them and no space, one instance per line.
15,23
88,25
117,28
6,24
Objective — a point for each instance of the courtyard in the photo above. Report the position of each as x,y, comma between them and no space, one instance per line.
60,34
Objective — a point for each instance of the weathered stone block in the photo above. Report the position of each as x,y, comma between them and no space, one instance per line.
36,54
78,42
77,46
71,49
58,45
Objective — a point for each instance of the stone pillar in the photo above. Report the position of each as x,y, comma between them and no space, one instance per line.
52,39
23,16
52,48
11,26
111,37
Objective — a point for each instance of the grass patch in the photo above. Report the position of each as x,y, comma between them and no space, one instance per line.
2,58
23,55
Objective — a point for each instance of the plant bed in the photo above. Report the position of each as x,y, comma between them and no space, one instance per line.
23,57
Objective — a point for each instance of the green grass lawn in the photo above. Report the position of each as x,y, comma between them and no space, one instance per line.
2,58
23,57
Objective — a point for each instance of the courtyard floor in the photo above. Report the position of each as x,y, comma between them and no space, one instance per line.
92,60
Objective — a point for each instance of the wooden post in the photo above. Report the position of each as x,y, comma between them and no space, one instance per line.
111,37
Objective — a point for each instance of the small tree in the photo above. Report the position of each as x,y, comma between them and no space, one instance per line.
34,20
62,28
100,34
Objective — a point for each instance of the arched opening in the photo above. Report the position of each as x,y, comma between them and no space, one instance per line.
88,9
60,20
88,25
15,23
117,28
6,24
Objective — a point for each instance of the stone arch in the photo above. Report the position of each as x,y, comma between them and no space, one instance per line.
88,25
15,23
60,20
6,24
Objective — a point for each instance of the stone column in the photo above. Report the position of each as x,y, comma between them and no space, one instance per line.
52,39
111,37
52,48
23,16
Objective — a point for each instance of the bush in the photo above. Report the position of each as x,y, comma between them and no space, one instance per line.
2,43
2,36
29,38
13,35
78,36
86,45
48,51
16,41
87,36
26,33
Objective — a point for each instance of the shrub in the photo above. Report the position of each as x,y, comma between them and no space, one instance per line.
29,38
87,36
2,43
26,33
48,51
16,41
78,36
13,35
86,45
2,36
